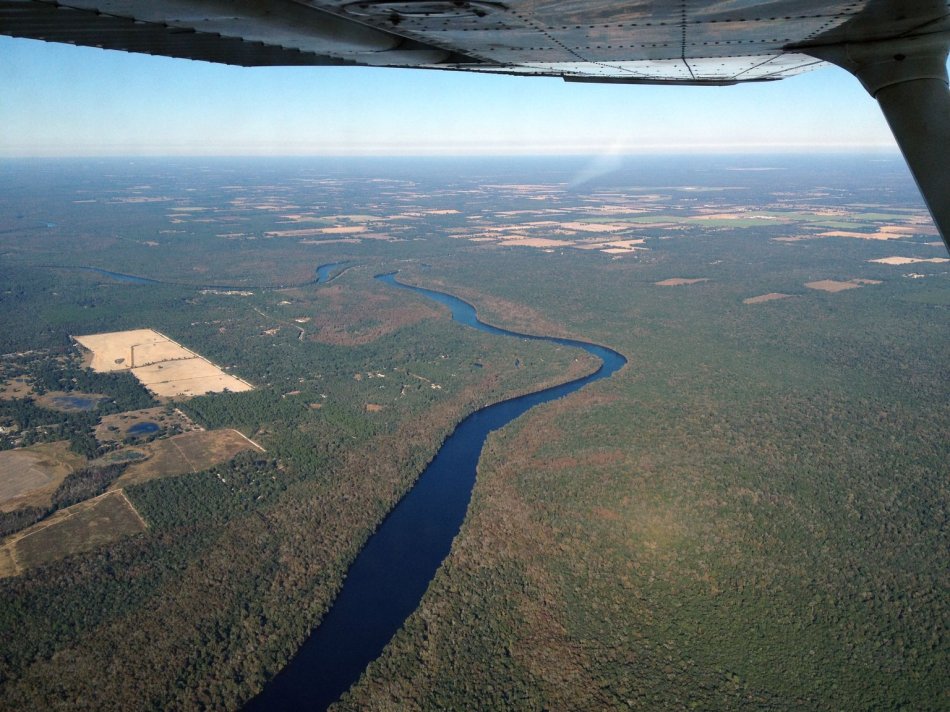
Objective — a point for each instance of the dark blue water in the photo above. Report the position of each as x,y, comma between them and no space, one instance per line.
325,272
386,581
142,429
119,277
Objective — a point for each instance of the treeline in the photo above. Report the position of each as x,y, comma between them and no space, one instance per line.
67,374
86,483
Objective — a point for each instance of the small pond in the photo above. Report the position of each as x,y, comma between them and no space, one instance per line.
77,402
143,428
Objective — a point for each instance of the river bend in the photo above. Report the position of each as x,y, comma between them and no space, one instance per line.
387,579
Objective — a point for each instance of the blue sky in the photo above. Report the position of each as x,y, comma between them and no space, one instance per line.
58,100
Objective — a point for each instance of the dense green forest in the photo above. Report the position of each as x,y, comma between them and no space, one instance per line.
751,515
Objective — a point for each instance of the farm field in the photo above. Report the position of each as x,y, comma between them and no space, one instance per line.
163,366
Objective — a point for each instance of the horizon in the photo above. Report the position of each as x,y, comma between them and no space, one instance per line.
880,153
68,101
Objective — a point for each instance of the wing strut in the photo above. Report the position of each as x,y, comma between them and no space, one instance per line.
908,77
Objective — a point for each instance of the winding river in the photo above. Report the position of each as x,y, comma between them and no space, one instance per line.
391,573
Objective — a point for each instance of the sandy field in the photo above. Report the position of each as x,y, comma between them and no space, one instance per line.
879,235
677,281
771,296
167,368
114,351
909,260
188,377
534,242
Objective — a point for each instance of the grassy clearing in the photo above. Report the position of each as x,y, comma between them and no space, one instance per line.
73,530
114,427
188,452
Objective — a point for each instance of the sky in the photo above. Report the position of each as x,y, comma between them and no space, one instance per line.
60,100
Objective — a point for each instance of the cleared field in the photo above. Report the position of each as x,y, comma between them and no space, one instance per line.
834,285
115,427
909,260
188,452
79,528
190,377
8,566
115,351
771,296
163,366
29,475
532,242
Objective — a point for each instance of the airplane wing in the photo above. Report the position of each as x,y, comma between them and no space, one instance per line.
896,48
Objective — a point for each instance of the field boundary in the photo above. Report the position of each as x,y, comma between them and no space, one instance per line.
259,447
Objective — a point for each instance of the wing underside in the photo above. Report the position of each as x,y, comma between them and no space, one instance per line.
643,41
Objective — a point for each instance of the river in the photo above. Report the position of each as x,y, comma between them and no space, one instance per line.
387,579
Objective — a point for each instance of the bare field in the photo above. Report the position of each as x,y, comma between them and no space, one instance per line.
533,242
909,260
189,377
115,351
79,528
771,296
188,452
29,475
879,235
163,366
